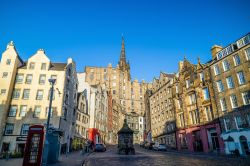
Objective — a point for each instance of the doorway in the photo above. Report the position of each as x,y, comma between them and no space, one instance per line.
244,145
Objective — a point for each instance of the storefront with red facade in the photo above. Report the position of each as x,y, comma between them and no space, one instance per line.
205,138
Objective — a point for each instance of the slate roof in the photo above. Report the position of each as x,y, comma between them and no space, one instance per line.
53,66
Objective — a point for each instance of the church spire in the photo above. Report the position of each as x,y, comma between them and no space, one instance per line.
123,64
123,55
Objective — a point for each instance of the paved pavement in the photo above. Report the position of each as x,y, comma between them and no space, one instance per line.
73,159
142,157
145,157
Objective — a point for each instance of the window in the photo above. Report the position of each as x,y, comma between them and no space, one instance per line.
202,76
187,84
227,124
26,94
25,129
233,100
12,111
3,92
5,74
230,83
223,104
114,92
32,65
29,78
239,122
246,97
9,128
176,89
23,110
248,53
8,61
37,112
241,78
226,65
42,79
39,95
194,116
220,86
16,94
19,78
114,84
236,60
43,66
208,113
216,70
114,77
206,93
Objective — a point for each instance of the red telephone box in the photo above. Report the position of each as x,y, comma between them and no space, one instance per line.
34,146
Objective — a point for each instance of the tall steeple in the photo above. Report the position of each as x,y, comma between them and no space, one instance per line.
123,65
123,55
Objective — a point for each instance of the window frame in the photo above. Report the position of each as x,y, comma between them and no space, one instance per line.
12,128
37,94
241,80
230,83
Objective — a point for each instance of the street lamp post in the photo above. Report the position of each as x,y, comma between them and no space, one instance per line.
52,81
46,144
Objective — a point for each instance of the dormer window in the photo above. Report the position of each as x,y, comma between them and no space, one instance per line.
32,65
43,66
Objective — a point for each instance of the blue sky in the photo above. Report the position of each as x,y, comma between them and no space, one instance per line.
158,33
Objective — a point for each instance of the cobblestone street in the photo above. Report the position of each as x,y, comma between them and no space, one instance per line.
143,157
153,158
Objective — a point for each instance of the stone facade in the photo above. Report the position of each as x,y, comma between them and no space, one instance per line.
162,110
196,111
101,113
82,120
148,137
230,71
130,94
25,97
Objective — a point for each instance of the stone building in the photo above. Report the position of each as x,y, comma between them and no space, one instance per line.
230,71
25,93
82,120
162,111
101,112
118,116
133,123
148,133
195,107
130,94
97,100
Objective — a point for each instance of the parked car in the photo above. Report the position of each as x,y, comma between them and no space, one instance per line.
149,145
100,147
160,147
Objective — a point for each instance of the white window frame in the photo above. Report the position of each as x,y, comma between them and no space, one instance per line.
247,52
23,111
222,106
235,62
226,65
12,111
244,99
206,94
232,98
230,82
220,86
216,70
240,79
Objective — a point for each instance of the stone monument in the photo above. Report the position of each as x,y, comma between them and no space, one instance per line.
125,140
